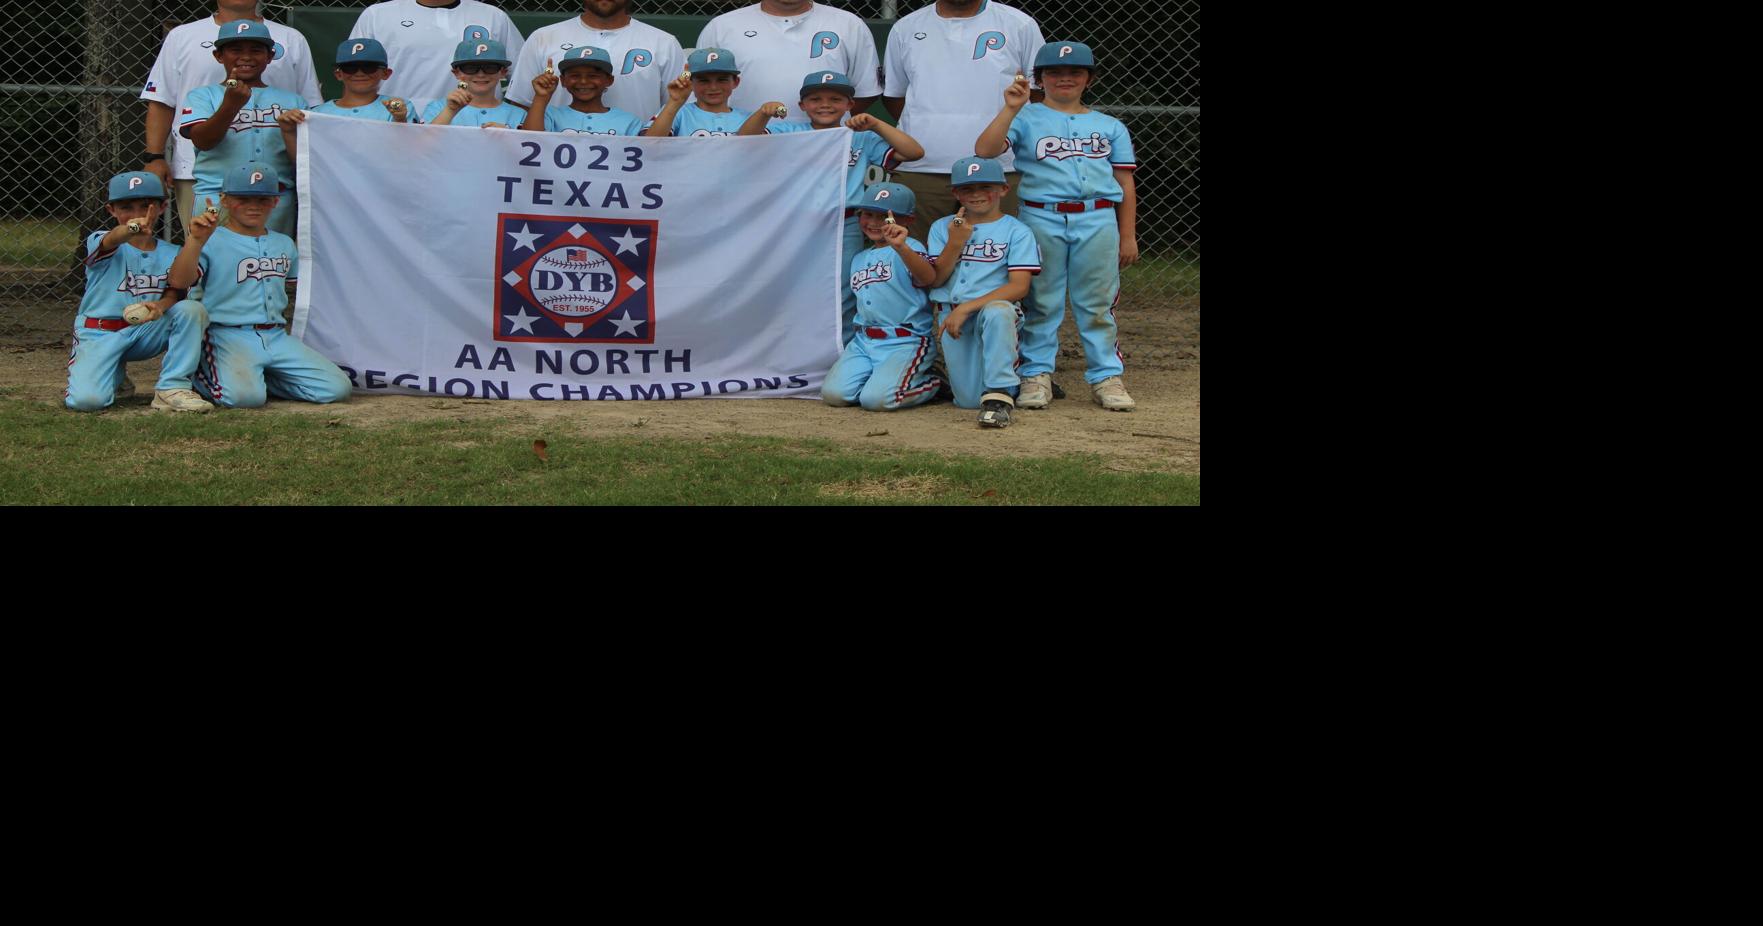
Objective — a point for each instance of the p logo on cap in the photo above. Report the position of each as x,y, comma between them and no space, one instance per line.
242,27
482,48
356,48
1064,50
972,169
881,195
711,57
256,176
134,182
827,77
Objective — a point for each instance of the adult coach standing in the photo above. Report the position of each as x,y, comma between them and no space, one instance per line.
947,66
185,62
644,58
420,36
778,42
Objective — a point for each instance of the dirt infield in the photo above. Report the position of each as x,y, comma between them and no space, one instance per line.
1161,344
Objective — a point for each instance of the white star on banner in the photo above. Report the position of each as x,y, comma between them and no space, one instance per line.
525,238
626,321
630,242
521,322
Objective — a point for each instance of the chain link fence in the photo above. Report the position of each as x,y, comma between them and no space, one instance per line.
71,117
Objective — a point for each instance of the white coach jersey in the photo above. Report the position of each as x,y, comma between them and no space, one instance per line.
953,72
420,40
644,59
776,52
186,61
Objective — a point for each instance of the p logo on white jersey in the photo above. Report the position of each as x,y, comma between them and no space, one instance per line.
134,182
972,169
481,49
1064,50
356,48
256,175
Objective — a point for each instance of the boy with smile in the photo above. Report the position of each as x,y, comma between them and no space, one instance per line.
361,66
480,66
586,75
236,125
711,75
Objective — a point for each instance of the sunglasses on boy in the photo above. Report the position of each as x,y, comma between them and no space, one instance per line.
479,68
360,67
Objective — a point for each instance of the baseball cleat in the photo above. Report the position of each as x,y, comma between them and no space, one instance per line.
994,410
180,400
1036,392
1111,395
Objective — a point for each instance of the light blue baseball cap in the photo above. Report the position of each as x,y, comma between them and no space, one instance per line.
969,171
485,52
252,180
828,80
367,50
712,61
135,184
244,30
1065,54
883,197
586,55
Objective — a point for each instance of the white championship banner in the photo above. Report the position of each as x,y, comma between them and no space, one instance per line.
487,263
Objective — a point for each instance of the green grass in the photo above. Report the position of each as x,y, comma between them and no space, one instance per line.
38,244
1169,272
53,456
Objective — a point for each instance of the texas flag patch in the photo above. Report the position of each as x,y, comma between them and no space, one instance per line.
150,87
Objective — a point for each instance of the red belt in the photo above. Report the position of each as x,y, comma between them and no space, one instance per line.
1072,207
108,324
880,333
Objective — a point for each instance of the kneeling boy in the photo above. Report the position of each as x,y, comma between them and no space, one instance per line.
246,270
128,265
984,263
886,365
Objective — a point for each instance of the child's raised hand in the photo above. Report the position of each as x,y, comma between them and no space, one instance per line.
894,234
959,228
458,99
203,225
1016,94
238,93
680,88
774,110
546,83
396,107
862,122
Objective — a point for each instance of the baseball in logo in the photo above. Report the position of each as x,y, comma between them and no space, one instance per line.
476,33
574,279
988,41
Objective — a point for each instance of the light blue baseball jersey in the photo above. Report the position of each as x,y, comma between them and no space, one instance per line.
886,297
244,279
253,136
866,148
610,122
694,121
506,113
376,110
116,279
1069,158
995,249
